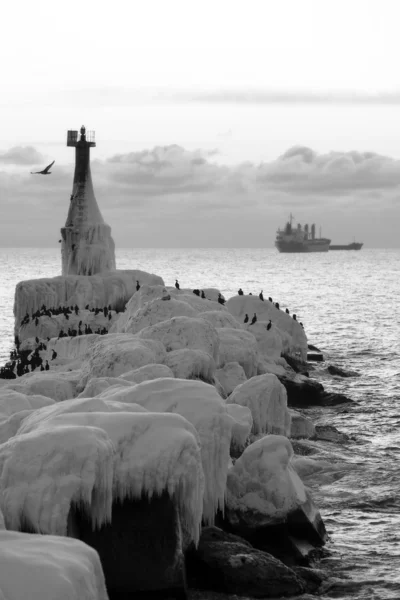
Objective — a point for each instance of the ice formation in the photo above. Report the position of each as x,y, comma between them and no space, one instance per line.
147,372
263,480
230,376
187,363
117,353
49,567
296,344
87,247
220,318
92,458
155,311
243,422
13,402
57,386
184,332
266,397
113,288
201,405
238,346
301,426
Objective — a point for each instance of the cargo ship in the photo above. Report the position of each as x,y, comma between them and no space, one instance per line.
297,239
352,246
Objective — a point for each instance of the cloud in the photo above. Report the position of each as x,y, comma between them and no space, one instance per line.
22,155
257,96
171,196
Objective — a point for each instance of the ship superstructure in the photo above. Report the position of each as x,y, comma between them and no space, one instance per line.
299,239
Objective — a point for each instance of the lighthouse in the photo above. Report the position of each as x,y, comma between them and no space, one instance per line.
87,247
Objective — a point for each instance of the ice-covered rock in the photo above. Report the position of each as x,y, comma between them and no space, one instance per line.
230,376
117,353
238,306
12,402
264,367
221,318
270,342
201,405
188,363
113,288
263,482
300,426
238,346
42,567
242,425
96,385
92,458
156,311
147,372
138,300
184,332
57,386
198,303
266,397
9,426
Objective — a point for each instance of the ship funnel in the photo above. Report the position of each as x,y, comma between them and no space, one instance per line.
313,231
298,227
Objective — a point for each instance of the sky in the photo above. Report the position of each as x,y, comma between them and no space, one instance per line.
214,120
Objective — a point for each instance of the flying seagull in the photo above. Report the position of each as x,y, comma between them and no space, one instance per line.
45,171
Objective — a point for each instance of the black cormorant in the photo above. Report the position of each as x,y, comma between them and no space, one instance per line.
254,319
269,325
246,318
260,295
177,284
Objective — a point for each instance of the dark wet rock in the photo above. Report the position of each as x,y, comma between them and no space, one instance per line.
313,578
303,448
292,538
298,366
333,370
140,550
315,357
303,392
227,563
313,348
329,433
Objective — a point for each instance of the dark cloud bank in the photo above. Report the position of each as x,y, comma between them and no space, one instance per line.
172,197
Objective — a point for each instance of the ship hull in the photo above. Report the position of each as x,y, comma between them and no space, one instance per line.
353,246
310,246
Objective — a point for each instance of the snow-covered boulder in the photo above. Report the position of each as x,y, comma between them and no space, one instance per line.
54,385
12,402
238,346
300,426
270,344
113,288
96,385
42,567
147,293
72,347
93,458
202,406
147,372
156,311
221,318
196,302
296,344
263,490
188,363
264,366
266,397
184,332
114,354
263,482
10,425
230,376
243,423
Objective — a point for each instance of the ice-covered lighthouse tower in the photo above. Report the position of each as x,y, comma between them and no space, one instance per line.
87,247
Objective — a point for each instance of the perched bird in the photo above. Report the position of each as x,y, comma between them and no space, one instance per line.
294,317
287,311
277,305
260,295
45,171
137,286
240,292
178,287
254,319
269,325
270,299
246,318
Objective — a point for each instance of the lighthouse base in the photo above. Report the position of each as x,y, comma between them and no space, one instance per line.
87,252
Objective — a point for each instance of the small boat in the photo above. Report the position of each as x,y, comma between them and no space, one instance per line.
297,239
352,246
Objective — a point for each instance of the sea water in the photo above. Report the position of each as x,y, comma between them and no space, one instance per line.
349,304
